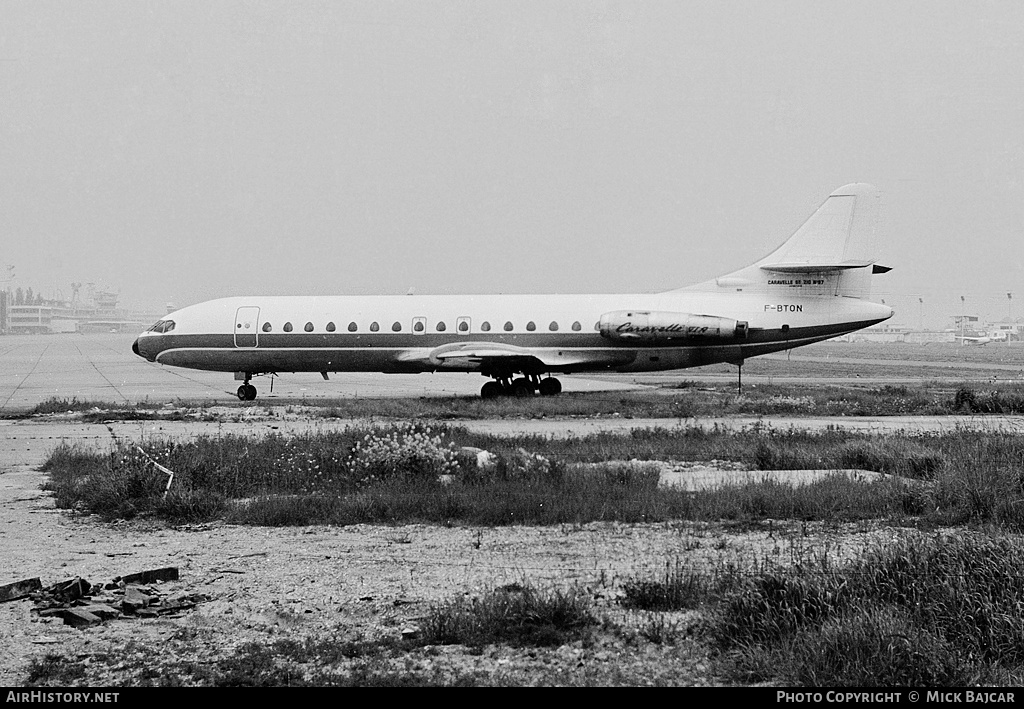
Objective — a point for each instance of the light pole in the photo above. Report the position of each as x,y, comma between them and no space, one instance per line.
963,318
1009,317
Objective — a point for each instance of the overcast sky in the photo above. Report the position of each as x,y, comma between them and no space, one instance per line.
180,151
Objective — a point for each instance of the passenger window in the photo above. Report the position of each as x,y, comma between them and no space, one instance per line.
374,327
508,326
576,326
441,327
485,326
287,327
531,326
597,325
266,327
309,327
352,327
397,327
330,327
463,326
553,326
417,326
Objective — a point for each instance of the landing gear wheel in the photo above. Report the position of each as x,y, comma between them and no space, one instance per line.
491,390
522,388
549,387
247,392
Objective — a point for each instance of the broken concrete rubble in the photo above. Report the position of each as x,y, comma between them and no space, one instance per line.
167,573
19,589
81,604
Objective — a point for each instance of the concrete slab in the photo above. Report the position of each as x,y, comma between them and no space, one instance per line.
695,479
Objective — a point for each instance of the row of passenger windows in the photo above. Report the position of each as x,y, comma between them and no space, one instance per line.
420,326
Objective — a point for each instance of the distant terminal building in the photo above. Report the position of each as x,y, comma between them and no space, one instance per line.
29,319
878,333
97,313
922,337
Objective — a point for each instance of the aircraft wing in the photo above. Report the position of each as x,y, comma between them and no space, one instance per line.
473,355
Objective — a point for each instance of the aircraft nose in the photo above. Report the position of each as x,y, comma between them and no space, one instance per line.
142,351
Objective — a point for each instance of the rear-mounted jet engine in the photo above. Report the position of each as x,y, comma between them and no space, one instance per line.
653,326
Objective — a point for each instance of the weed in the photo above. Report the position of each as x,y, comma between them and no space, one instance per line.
659,629
679,588
54,670
515,614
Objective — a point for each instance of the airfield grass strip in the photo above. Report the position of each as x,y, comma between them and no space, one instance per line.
680,402
410,473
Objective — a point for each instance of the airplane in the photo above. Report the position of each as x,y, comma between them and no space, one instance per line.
968,340
813,287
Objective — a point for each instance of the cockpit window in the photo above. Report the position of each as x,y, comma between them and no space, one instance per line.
161,326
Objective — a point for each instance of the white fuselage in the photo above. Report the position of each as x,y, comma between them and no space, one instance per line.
531,333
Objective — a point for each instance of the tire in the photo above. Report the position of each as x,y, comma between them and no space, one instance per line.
549,387
522,388
491,390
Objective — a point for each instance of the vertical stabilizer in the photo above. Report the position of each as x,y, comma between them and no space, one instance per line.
832,253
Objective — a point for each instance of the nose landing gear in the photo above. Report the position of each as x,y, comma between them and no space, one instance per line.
246,392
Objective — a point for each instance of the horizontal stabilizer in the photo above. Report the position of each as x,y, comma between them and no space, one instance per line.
814,267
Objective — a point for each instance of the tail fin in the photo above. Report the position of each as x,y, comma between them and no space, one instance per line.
831,254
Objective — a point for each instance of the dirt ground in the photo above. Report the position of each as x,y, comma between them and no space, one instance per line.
357,582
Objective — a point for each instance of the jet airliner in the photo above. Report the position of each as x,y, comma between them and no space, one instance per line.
813,287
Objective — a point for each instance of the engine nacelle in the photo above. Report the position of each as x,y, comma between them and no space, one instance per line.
653,326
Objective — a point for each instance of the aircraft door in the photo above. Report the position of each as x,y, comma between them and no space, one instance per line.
246,322
463,325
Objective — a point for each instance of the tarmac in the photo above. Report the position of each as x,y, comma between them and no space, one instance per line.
103,368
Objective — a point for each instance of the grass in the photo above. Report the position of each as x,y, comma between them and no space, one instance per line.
672,402
680,588
937,610
395,474
515,614
411,473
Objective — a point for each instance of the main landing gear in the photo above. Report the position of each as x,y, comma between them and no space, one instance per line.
520,387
